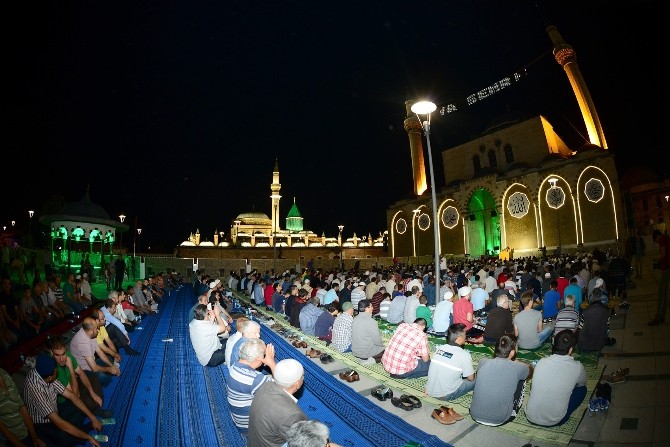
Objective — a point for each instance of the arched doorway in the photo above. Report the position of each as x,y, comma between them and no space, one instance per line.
483,225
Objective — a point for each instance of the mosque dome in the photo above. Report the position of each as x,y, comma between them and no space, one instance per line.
85,208
254,218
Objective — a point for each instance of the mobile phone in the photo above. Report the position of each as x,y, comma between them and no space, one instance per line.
108,421
101,438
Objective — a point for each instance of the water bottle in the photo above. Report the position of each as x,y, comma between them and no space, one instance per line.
22,358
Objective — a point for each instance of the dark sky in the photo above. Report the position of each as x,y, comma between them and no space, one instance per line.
175,111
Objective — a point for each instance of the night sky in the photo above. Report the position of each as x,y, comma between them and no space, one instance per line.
174,112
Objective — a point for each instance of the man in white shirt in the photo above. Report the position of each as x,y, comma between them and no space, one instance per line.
451,373
411,305
204,331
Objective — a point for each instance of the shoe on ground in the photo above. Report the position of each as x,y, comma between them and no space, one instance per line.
614,378
131,351
443,417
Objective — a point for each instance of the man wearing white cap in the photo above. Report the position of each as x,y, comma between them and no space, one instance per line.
357,293
443,313
464,313
274,408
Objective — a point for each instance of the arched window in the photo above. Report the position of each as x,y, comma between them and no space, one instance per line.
493,161
476,163
509,155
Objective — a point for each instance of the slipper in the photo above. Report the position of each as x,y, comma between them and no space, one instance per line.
382,393
299,344
313,353
400,403
413,400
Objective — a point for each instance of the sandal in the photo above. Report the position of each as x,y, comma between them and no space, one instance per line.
299,344
382,393
413,400
313,353
401,403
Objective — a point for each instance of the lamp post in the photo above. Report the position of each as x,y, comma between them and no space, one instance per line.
552,181
31,213
426,108
122,218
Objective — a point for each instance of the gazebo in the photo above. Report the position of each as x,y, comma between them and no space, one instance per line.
81,230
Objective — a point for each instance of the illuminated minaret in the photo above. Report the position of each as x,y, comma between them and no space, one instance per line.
414,131
274,188
567,58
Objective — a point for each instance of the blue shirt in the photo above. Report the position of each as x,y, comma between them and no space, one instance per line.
111,319
242,383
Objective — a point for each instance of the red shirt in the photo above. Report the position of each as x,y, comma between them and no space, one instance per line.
408,343
462,308
267,293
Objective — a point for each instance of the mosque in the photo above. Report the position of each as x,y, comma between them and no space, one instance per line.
256,229
516,190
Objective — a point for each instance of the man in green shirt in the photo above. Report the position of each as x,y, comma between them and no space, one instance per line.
16,425
87,386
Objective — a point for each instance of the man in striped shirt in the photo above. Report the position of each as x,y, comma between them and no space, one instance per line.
567,318
245,379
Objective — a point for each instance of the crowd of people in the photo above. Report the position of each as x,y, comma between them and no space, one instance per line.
563,302
62,400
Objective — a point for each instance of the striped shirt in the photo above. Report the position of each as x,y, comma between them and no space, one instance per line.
242,383
567,318
41,397
10,403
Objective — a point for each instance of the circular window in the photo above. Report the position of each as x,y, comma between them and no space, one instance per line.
401,226
424,221
450,217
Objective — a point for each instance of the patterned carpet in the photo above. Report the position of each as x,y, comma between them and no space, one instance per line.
164,397
520,427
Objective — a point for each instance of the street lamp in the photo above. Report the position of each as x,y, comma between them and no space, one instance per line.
552,181
31,213
426,108
122,217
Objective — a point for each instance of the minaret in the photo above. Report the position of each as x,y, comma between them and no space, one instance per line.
414,130
567,58
274,188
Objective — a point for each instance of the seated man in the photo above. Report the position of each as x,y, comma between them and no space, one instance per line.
500,386
568,317
84,347
205,332
559,384
451,373
16,426
274,409
251,330
238,327
594,324
245,379
40,393
499,321
84,384
323,328
528,326
407,355
117,331
423,311
309,314
366,340
443,316
341,334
